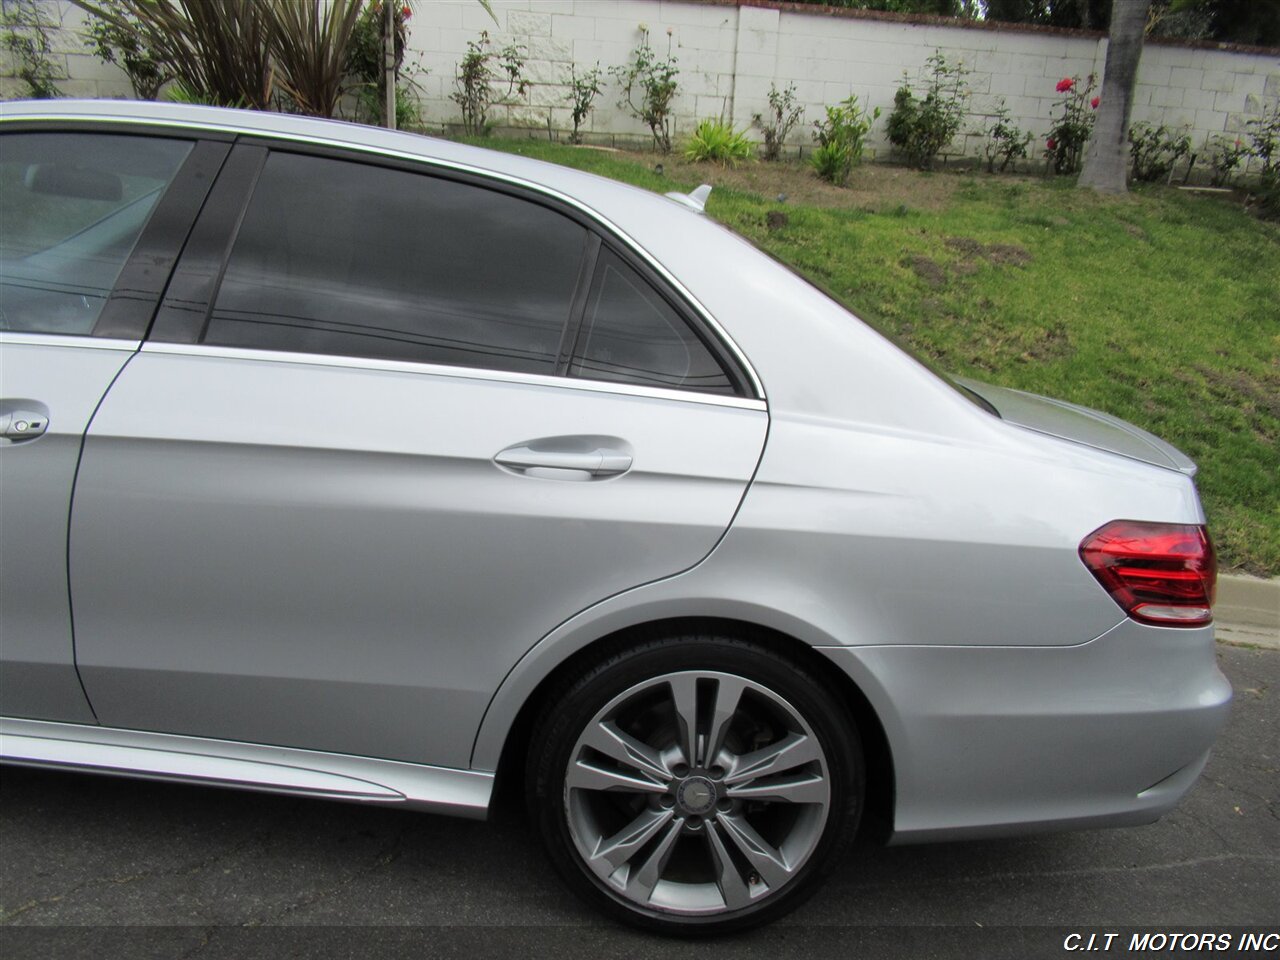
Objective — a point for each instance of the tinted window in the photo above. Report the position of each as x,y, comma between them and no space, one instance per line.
72,206
630,334
343,258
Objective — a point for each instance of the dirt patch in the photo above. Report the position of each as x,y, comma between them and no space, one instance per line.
1001,254
965,246
776,219
928,270
1262,392
1053,344
1008,254
873,187
1003,345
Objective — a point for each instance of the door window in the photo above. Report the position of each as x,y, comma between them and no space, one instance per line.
72,206
337,257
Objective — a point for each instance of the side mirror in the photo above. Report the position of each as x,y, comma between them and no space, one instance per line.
68,180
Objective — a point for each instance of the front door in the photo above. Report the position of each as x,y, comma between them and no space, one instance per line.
72,208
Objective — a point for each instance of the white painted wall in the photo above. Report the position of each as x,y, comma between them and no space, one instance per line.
728,57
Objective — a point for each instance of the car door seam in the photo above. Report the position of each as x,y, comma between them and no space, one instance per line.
746,489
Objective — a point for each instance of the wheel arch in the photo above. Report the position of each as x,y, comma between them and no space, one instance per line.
878,755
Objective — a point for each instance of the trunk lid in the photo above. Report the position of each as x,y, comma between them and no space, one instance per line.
1067,421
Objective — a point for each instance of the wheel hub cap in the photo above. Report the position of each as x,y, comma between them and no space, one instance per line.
696,796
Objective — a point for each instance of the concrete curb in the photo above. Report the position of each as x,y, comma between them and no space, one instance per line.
1248,601
1246,635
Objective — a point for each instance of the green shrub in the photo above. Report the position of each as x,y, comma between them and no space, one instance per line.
479,77
123,43
841,136
784,113
1156,150
1070,129
366,71
921,127
583,89
1264,139
1225,154
1005,142
1264,136
1266,196
649,88
717,141
27,37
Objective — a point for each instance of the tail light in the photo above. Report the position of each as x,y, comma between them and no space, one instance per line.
1159,573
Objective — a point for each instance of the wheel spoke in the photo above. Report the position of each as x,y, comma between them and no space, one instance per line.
640,882
733,888
767,861
789,752
728,693
606,738
684,696
800,789
584,776
624,844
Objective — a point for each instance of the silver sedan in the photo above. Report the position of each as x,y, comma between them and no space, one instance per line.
361,465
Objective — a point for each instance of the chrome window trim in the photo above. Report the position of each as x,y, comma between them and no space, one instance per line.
66,340
705,315
244,766
457,373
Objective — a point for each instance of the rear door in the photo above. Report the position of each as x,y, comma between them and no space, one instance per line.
90,223
410,425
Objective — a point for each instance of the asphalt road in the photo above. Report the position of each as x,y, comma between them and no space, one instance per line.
98,867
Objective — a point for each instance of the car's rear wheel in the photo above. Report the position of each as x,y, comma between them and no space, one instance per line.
695,784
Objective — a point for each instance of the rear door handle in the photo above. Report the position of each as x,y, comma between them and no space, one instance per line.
23,425
558,454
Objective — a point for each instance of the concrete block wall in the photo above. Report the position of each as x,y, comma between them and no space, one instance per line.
729,56
84,74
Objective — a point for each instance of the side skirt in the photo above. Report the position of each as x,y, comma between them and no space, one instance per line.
243,766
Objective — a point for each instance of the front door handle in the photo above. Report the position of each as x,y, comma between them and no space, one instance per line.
567,458
23,425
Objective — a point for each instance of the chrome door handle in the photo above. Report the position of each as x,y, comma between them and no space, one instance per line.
596,463
23,425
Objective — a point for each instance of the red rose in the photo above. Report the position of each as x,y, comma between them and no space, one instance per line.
1094,102
406,12
1051,143
1065,84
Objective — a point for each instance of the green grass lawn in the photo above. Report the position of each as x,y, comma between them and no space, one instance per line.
1162,307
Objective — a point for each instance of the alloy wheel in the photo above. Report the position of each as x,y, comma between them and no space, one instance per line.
696,792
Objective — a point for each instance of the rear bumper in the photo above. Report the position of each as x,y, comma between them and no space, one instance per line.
996,741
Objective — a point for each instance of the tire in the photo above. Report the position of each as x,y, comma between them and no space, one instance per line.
720,832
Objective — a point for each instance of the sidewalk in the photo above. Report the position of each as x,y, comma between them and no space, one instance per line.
1247,635
1247,611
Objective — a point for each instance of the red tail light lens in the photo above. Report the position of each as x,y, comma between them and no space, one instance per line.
1160,573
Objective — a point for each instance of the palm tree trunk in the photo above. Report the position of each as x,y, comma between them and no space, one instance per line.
1106,158
389,63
